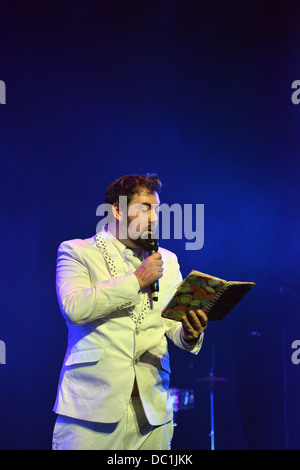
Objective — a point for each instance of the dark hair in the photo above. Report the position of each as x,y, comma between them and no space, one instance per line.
129,185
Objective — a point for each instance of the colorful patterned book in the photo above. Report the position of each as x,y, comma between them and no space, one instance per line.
215,296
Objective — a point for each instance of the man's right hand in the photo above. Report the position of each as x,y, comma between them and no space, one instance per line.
150,270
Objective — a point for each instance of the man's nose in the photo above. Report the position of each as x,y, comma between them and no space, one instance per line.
153,217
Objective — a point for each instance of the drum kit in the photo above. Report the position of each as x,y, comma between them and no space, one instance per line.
184,399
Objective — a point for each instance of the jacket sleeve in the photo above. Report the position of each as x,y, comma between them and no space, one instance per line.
174,328
80,301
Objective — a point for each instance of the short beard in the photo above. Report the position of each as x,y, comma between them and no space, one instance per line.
142,240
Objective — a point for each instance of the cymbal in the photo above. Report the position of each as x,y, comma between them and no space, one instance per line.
212,378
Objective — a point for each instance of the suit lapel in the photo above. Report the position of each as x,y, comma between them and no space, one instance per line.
115,263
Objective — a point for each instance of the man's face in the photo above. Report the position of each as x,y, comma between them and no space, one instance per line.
142,216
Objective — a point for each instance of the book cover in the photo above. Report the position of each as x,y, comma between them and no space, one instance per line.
215,296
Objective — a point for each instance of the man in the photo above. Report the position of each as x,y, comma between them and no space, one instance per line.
113,391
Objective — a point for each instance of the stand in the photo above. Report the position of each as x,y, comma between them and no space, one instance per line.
212,379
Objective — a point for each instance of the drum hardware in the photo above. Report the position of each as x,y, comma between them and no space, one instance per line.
183,399
212,380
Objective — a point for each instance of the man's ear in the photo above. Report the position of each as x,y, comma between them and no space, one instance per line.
116,210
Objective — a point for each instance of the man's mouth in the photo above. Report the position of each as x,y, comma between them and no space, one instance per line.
148,232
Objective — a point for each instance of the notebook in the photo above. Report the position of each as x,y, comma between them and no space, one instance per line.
215,296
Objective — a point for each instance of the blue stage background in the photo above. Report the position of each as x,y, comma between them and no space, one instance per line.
198,92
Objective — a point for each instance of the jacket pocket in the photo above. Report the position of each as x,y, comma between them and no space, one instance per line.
82,357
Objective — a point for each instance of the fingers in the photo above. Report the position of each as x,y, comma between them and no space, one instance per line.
186,325
195,321
157,258
150,270
201,316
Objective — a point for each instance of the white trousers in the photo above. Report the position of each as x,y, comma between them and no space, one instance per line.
132,432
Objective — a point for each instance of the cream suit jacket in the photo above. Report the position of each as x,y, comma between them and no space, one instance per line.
115,332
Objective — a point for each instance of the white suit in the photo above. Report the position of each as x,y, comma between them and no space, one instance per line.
115,334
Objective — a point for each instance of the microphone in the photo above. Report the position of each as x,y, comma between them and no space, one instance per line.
151,248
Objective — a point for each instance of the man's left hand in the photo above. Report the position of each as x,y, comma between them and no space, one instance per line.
193,325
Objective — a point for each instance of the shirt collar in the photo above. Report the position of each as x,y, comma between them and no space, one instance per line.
138,252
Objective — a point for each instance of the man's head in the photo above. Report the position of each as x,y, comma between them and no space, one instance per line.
139,216
129,185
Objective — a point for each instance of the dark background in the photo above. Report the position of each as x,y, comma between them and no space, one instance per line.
200,93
